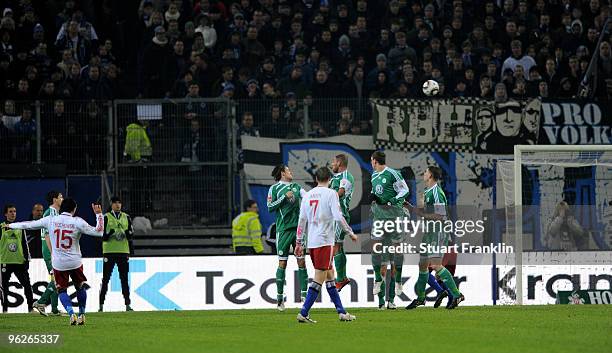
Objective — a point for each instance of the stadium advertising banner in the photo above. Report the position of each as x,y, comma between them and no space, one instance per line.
575,123
454,124
248,282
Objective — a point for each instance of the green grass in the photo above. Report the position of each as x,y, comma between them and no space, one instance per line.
525,329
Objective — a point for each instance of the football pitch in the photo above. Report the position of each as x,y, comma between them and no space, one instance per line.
557,328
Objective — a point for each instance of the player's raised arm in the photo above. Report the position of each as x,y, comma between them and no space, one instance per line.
98,230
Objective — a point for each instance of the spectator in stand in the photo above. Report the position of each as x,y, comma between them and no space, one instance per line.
276,127
77,43
501,93
25,131
246,128
156,67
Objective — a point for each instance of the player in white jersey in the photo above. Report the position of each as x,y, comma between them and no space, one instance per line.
319,212
64,233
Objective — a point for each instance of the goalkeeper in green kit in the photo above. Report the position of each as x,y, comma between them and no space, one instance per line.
54,200
284,198
388,193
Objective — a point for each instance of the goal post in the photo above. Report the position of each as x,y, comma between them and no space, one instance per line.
557,174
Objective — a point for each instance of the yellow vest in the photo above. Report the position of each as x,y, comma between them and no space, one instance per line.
137,143
246,231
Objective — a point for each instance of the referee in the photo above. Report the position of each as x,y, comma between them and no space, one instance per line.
116,244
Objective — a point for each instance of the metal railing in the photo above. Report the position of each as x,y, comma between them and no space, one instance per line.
187,179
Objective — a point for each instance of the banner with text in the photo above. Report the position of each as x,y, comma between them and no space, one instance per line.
575,123
463,124
248,282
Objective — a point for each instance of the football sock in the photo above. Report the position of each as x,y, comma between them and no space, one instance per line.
434,283
303,276
420,285
340,263
376,264
448,280
444,287
391,295
46,296
398,260
65,299
381,295
82,299
313,293
54,306
335,298
280,283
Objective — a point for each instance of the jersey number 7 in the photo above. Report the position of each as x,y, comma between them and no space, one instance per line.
64,237
316,204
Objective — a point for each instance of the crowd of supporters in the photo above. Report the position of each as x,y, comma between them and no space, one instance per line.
289,54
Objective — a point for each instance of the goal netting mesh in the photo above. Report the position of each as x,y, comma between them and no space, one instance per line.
561,227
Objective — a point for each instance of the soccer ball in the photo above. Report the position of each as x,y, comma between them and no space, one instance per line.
431,88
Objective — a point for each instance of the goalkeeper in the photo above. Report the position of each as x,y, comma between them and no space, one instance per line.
54,200
388,192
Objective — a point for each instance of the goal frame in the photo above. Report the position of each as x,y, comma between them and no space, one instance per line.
518,197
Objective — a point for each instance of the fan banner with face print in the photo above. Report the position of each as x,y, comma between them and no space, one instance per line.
576,123
464,124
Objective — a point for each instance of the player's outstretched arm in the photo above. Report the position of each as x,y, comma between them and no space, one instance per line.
29,225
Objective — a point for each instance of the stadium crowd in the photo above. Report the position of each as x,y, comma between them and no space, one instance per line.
282,55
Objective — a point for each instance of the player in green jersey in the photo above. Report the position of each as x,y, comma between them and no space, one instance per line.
435,204
343,183
284,198
54,200
388,193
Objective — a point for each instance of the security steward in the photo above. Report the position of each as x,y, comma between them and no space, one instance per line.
14,258
246,230
116,248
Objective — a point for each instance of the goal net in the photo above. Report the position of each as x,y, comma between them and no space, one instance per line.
558,216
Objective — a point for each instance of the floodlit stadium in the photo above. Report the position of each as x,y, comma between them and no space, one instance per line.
219,175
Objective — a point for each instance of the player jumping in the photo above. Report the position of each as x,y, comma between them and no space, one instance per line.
319,213
284,198
342,182
435,209
64,233
388,192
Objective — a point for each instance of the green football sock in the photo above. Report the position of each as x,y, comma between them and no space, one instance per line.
54,300
448,280
398,259
280,283
391,295
381,295
420,285
340,263
303,276
46,296
377,275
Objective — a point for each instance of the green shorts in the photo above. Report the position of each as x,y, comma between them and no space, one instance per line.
285,243
435,241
